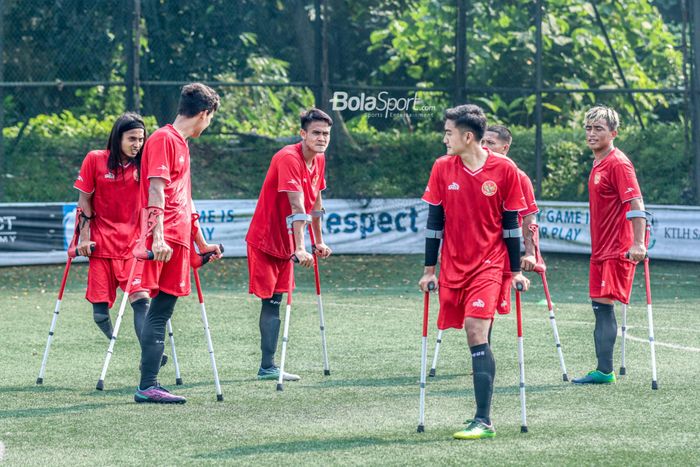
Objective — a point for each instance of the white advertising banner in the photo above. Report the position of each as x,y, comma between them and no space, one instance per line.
378,226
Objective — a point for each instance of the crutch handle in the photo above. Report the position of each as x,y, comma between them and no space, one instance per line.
74,252
147,255
627,255
207,256
519,286
431,286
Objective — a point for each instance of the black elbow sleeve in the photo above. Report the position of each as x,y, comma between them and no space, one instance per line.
511,236
433,234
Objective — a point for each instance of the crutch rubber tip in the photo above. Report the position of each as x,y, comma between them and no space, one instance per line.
623,370
326,372
654,385
219,397
432,372
178,381
100,385
39,380
565,377
420,429
523,429
280,387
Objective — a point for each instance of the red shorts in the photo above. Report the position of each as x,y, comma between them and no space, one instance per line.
267,274
476,300
106,274
504,299
172,277
611,278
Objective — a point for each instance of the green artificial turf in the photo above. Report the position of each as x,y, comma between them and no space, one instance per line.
366,412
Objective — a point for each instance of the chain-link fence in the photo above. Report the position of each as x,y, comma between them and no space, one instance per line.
84,61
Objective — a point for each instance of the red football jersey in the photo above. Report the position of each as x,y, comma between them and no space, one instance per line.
474,203
167,156
529,194
115,204
611,185
287,173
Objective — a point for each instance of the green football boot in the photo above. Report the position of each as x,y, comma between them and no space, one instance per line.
475,430
596,377
273,373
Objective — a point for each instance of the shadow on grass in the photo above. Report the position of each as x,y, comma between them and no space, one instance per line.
33,388
435,391
129,390
47,411
379,382
306,446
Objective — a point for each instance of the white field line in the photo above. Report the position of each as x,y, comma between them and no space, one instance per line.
662,344
566,322
2,451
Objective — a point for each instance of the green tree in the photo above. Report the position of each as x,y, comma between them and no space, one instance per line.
418,42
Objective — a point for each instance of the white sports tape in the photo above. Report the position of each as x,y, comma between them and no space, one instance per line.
513,233
429,233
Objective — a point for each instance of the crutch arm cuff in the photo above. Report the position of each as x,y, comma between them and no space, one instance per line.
638,213
299,217
513,233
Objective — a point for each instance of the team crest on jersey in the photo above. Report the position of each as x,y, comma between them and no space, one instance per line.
596,178
489,188
136,175
314,180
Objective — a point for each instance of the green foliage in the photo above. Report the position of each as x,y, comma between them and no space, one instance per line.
418,42
261,110
43,162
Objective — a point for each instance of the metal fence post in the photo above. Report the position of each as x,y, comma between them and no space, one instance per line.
538,99
460,79
2,100
695,93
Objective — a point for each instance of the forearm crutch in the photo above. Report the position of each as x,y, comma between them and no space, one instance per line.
197,261
541,269
207,334
319,302
287,314
72,253
438,341
521,359
647,282
148,222
424,358
623,368
117,324
171,337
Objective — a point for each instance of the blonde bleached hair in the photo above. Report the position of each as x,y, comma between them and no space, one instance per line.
606,114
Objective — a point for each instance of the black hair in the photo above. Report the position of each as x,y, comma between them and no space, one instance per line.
127,121
503,133
468,117
196,97
314,115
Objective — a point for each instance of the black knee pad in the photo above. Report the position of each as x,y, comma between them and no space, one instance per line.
100,312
